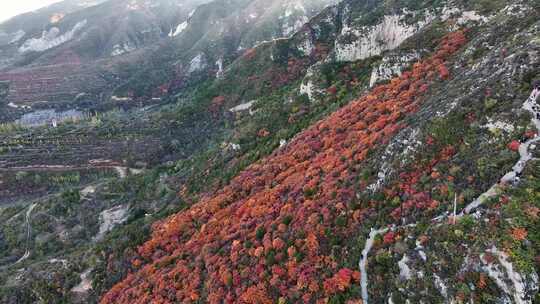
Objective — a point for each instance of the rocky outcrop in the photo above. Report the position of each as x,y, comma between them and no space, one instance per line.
51,38
357,43
391,66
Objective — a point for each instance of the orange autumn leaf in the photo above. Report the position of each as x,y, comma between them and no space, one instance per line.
514,145
356,276
443,71
482,281
519,234
264,133
533,212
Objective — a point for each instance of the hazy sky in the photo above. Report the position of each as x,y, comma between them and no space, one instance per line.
11,8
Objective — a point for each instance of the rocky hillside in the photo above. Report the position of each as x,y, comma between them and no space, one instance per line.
410,169
282,207
93,49
216,35
384,152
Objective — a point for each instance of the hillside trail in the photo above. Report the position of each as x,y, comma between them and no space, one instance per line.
28,233
511,178
122,172
525,156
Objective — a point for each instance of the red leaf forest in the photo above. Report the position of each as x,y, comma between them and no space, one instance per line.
265,237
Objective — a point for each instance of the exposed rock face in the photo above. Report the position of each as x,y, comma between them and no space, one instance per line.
179,29
197,63
243,107
367,41
357,42
11,38
123,48
291,25
51,38
110,218
391,66
308,85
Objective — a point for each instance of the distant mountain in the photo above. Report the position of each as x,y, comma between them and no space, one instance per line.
90,29
134,47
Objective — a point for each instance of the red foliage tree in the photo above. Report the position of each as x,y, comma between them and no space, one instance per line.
250,53
263,133
443,72
514,145
216,105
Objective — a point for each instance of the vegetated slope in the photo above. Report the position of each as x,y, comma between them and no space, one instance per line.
455,144
74,191
273,232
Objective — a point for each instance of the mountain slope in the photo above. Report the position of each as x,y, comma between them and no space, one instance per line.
64,55
92,30
134,48
270,200
300,190
281,230
216,35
